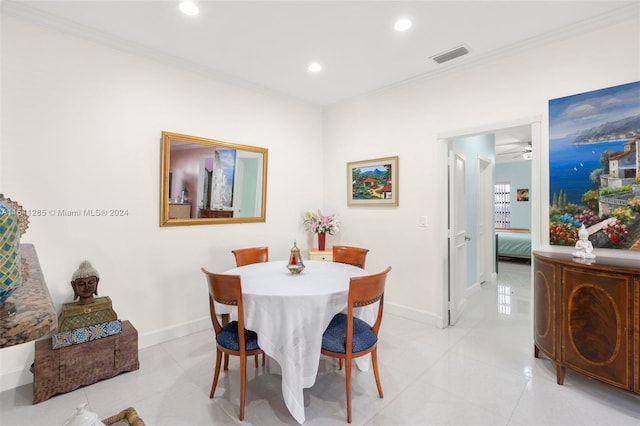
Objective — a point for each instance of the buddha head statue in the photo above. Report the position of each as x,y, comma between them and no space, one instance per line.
85,283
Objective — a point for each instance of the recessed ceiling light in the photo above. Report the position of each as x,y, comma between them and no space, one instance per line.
402,24
189,8
315,67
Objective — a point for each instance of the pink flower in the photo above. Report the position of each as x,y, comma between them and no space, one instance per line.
318,223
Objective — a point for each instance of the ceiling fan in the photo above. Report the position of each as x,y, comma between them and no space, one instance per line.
514,151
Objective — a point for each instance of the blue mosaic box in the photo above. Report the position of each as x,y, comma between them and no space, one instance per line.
86,334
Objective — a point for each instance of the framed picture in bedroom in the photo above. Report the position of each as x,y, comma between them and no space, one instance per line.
523,194
373,182
594,177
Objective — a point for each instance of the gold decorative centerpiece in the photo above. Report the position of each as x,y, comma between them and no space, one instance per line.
295,265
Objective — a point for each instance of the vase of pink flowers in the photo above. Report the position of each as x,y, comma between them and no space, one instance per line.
318,223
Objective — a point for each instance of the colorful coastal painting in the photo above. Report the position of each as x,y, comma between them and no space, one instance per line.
373,182
594,167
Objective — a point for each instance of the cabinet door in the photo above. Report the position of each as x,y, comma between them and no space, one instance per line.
597,325
545,326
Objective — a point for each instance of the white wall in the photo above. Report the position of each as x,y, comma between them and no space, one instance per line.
81,128
406,121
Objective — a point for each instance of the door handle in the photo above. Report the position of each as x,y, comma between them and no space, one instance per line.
467,238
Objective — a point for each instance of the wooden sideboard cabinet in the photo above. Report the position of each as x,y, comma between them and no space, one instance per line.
586,317
213,213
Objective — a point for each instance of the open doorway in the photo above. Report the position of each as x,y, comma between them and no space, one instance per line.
480,262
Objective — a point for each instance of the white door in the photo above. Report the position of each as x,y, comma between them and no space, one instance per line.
457,235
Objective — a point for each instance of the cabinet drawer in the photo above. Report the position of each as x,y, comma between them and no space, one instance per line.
325,255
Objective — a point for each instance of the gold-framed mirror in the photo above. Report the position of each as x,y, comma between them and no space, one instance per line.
206,181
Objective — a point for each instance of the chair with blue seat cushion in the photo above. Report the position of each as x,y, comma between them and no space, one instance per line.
248,256
231,338
355,256
348,337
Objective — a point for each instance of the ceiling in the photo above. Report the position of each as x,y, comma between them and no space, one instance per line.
268,45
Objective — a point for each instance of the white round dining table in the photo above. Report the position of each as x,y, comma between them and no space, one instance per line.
289,312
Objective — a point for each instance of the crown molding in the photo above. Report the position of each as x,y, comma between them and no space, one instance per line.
624,13
23,11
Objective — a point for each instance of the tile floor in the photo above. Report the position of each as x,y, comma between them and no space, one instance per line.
480,372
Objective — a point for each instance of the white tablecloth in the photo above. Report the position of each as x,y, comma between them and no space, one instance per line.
290,312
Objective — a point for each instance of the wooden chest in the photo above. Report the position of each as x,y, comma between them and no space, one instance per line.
65,369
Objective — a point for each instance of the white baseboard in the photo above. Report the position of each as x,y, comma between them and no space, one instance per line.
174,332
414,314
471,290
15,378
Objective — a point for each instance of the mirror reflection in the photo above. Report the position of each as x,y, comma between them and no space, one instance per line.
206,181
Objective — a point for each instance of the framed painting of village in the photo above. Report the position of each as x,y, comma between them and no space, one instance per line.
594,167
373,182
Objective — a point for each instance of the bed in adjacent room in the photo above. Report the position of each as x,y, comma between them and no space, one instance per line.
513,243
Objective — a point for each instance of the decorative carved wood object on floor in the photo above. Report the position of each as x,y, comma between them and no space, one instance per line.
129,415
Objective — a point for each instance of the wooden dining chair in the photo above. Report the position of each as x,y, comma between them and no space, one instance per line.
232,338
348,337
247,256
251,255
355,256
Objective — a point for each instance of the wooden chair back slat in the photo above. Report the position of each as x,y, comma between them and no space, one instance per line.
251,255
356,256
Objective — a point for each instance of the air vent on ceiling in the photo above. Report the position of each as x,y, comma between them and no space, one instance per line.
451,54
